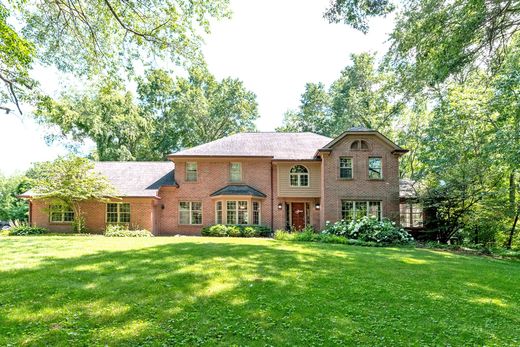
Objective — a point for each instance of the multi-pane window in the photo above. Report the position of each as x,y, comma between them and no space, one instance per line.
256,212
375,168
235,172
118,213
60,214
351,210
411,215
345,167
299,176
190,212
359,145
237,212
218,212
191,171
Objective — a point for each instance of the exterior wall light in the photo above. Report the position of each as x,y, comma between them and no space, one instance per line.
317,206
280,206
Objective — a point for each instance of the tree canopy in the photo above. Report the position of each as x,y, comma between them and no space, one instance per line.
90,37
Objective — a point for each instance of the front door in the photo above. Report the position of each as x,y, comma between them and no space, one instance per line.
298,215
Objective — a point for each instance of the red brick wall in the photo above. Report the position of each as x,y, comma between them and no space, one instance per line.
141,210
360,187
213,174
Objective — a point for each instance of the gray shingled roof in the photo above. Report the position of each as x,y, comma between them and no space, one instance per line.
238,189
295,146
134,178
137,178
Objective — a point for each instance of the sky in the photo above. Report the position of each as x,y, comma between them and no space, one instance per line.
273,46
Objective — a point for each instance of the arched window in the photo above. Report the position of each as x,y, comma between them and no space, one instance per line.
299,176
359,145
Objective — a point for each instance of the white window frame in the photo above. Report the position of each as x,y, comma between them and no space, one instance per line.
253,212
118,212
299,176
62,210
190,212
188,179
237,210
354,208
231,179
219,211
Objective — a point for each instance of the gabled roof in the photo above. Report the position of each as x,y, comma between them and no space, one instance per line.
238,189
134,178
362,131
278,146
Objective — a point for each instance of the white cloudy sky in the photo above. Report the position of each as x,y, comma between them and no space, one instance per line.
274,46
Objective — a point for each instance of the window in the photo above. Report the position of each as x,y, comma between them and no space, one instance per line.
60,214
190,212
235,172
218,212
411,215
118,213
345,167
375,168
191,171
256,212
299,176
359,145
237,212
351,210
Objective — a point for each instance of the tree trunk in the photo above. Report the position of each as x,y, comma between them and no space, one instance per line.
512,192
512,232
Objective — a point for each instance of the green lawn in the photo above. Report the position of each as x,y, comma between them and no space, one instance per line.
59,290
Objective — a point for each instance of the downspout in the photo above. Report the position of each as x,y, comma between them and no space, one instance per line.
272,198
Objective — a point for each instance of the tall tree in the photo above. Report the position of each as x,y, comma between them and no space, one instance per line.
194,110
107,115
314,114
86,37
361,96
12,208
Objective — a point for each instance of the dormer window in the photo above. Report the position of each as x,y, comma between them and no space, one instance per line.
359,145
299,176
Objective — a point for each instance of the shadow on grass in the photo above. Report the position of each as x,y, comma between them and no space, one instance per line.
198,293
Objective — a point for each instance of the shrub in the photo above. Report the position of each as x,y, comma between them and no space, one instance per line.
220,230
283,235
123,231
25,230
369,229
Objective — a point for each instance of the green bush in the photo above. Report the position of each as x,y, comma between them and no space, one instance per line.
307,236
26,230
123,231
220,230
369,229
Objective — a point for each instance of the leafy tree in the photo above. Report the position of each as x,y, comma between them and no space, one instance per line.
435,39
195,110
361,96
87,37
11,207
106,114
70,181
314,114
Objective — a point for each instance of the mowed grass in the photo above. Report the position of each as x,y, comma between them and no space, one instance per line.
59,290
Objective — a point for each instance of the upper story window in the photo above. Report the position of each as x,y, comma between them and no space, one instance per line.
359,145
191,171
345,167
299,176
235,172
375,168
118,213
60,214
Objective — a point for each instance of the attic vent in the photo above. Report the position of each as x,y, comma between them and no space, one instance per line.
359,145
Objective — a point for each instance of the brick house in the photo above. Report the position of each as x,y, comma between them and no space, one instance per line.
281,180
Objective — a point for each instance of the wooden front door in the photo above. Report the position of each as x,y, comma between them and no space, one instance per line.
298,215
